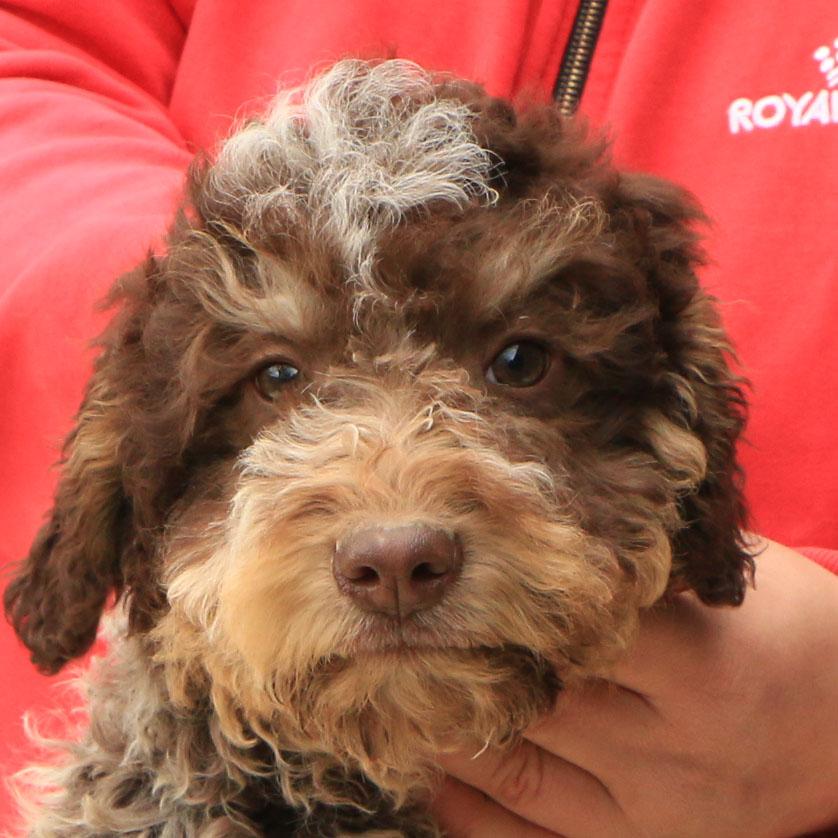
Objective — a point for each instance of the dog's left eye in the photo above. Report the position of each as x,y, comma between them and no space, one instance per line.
520,364
271,379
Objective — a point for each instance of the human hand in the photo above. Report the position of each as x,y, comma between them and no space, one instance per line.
719,722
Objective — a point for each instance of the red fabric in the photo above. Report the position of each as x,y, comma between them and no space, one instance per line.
772,193
827,559
101,102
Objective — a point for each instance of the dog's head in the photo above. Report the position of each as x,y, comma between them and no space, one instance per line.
422,404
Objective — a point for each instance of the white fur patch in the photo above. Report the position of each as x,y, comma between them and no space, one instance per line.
355,150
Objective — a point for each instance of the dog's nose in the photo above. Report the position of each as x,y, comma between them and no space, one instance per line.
397,570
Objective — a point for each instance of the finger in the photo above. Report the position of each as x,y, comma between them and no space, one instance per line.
544,789
464,812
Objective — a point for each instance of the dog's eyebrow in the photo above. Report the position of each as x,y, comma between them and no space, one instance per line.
275,298
510,294
532,250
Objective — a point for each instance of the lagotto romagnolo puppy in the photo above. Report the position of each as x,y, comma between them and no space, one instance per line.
419,406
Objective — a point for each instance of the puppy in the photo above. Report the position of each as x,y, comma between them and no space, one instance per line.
419,407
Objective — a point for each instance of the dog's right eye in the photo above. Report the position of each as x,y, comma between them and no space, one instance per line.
521,364
273,378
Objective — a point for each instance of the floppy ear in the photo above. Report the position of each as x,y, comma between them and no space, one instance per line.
124,467
699,392
88,549
56,598
709,552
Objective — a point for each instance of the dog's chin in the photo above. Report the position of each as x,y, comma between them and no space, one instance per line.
391,708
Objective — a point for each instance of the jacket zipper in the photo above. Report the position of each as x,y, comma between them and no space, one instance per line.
576,61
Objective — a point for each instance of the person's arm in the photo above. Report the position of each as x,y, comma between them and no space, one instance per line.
719,722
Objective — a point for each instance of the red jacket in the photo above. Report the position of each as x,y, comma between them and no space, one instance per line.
102,104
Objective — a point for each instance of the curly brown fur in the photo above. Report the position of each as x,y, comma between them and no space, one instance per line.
389,237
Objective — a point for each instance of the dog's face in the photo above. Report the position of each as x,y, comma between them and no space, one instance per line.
420,407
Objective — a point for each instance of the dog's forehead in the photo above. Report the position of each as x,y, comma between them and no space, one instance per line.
439,277
378,197
432,278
